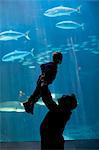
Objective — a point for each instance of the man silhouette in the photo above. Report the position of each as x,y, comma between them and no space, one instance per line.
52,127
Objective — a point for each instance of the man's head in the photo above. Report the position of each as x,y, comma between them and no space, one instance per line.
68,102
57,57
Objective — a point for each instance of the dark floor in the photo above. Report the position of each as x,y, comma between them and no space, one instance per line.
69,145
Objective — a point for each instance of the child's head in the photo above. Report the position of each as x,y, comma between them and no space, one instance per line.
57,57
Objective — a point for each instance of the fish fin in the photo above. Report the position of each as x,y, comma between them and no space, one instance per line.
82,26
10,30
15,50
61,6
32,51
78,9
27,35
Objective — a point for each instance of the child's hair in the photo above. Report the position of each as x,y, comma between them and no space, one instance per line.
57,57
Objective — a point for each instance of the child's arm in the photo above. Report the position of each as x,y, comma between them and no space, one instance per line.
47,99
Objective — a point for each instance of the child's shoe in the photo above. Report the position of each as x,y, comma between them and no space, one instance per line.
28,106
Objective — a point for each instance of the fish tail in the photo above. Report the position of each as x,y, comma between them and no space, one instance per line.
78,9
82,26
32,51
27,35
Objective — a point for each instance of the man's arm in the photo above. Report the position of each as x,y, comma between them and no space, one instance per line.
47,99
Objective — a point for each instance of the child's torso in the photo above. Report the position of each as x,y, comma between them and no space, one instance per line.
50,71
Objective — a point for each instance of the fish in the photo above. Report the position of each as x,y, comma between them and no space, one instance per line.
42,61
13,35
27,63
69,25
86,49
64,52
17,55
31,67
92,36
61,11
21,93
95,52
76,45
11,106
40,58
42,54
17,106
43,57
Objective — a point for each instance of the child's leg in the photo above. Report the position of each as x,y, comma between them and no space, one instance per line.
36,95
29,105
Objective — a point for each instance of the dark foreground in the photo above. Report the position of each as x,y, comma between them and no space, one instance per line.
69,145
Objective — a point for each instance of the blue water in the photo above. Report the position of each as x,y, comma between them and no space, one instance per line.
78,72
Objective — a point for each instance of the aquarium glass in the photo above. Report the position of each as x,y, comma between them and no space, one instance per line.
30,31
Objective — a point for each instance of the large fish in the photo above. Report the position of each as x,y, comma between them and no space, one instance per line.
60,11
17,55
69,25
12,106
16,106
13,35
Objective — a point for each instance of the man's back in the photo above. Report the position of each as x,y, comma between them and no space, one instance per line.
52,128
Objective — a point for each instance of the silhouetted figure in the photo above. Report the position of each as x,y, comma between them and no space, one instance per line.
48,74
52,127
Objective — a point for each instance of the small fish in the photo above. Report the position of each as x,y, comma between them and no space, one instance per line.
93,44
67,49
26,63
95,52
85,43
92,36
61,11
40,58
91,49
47,57
13,35
49,45
40,62
64,52
86,49
69,25
43,61
21,93
31,67
15,55
76,45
